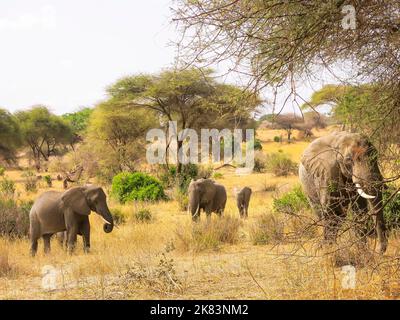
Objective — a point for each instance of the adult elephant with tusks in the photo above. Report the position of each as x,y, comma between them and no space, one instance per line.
338,172
207,195
69,211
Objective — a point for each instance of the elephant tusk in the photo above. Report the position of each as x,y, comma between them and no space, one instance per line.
106,221
362,193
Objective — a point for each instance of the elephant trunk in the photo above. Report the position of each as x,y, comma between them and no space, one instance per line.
380,227
194,205
105,213
373,193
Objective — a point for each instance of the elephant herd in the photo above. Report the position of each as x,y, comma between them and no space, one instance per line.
67,213
339,173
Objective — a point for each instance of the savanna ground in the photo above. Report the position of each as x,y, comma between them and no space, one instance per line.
169,258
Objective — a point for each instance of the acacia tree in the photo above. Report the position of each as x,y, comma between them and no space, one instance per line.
78,121
287,122
10,138
279,42
191,97
115,138
43,132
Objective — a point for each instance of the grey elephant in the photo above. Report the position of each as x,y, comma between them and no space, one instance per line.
340,171
207,195
55,212
242,200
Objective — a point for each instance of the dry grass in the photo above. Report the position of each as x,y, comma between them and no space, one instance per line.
208,234
170,257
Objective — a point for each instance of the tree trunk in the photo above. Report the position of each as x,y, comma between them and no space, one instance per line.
179,164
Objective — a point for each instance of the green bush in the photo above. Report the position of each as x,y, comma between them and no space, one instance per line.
2,171
170,178
280,164
217,175
257,144
7,187
392,209
136,186
143,215
277,139
30,181
14,218
291,202
48,181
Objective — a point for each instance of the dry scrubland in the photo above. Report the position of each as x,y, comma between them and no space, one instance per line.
169,257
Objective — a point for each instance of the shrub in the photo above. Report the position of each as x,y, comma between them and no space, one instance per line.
118,216
302,226
182,199
143,215
30,181
269,187
2,171
204,172
392,208
260,160
209,234
217,175
170,178
48,181
136,186
280,164
257,144
7,188
14,219
291,202
277,139
267,229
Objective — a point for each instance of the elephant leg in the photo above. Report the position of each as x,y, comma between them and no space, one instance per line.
331,228
208,214
34,245
247,211
62,238
381,233
46,242
333,219
34,237
360,211
85,231
71,238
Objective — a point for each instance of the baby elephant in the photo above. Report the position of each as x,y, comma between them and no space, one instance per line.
242,200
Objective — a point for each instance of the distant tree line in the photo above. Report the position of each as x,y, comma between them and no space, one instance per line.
111,136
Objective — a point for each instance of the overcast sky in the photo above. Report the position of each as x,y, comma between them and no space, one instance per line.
64,53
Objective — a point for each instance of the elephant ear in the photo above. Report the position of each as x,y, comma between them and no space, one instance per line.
320,158
76,200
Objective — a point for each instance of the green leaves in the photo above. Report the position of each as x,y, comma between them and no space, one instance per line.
10,135
78,120
136,186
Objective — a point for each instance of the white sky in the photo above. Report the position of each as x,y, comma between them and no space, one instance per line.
64,53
